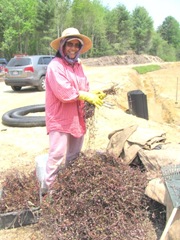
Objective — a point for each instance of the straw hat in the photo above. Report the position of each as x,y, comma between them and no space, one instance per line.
72,32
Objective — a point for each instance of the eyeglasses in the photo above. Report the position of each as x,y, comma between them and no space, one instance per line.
75,45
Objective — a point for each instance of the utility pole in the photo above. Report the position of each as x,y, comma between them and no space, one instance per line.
177,85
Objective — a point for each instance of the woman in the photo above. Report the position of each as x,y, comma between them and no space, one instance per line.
66,89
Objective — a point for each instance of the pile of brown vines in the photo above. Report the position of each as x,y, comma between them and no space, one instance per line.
96,198
20,191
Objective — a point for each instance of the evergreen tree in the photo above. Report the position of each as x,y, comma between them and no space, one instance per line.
125,31
170,32
142,30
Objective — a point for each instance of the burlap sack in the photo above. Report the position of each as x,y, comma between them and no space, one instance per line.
154,159
124,144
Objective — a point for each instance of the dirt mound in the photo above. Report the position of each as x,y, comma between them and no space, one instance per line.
121,60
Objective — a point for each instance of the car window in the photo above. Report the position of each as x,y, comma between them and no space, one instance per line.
15,62
44,60
3,61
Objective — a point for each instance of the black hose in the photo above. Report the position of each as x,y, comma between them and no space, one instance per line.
17,117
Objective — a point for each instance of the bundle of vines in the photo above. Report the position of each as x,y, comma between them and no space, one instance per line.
90,108
94,198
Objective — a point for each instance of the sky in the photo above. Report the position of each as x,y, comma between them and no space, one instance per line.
157,9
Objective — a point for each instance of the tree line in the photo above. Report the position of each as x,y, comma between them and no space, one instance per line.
28,26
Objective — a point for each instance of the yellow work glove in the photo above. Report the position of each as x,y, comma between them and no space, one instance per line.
100,94
91,98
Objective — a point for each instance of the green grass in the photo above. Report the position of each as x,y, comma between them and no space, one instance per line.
147,68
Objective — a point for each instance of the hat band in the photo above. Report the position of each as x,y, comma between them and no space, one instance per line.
75,38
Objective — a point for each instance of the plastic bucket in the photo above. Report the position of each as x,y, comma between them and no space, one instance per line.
41,161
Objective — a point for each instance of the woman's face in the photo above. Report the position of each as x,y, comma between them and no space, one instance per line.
71,48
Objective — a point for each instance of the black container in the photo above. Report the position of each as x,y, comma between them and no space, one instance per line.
137,101
19,218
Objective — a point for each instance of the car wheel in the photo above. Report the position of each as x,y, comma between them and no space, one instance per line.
42,84
16,88
17,117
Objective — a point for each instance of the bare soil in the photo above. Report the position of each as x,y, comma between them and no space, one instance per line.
20,146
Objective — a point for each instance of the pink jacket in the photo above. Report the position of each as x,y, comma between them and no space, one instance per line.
64,112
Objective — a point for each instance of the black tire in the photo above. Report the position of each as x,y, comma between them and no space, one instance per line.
17,117
42,84
16,88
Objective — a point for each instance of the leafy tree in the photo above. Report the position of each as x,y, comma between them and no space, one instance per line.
161,48
100,43
178,54
82,16
168,52
111,26
51,21
61,14
18,28
34,23
43,26
142,30
125,31
170,32
88,17
119,29
2,27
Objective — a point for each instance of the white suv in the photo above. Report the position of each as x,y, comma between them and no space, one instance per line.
27,71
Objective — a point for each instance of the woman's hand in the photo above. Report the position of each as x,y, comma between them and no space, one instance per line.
91,98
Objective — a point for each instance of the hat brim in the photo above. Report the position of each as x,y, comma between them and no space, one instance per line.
86,46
